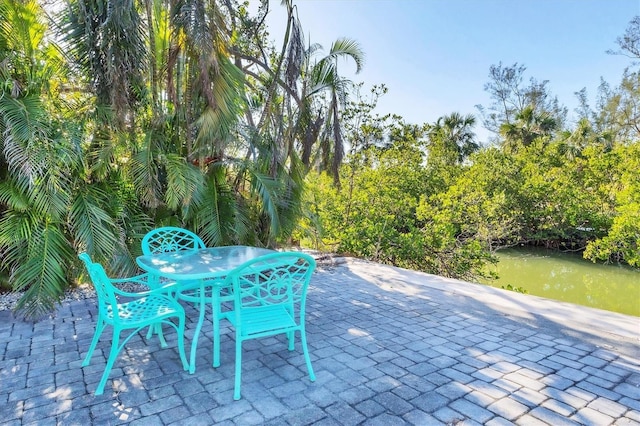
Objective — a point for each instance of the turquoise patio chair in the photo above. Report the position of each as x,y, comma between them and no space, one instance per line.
171,239
270,299
131,312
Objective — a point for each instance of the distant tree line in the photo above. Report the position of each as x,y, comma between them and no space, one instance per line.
430,197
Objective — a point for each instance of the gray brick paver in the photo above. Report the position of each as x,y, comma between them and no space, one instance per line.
557,382
370,408
457,375
529,397
227,412
249,418
415,362
631,402
448,416
633,379
572,374
603,383
625,421
420,418
599,391
471,410
145,421
559,407
507,385
385,419
633,415
160,405
551,417
603,374
621,367
521,379
551,365
593,361
499,421
589,416
393,403
508,408
529,420
532,355
175,414
344,414
608,407
575,350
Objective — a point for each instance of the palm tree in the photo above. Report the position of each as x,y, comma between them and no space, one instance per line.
46,200
325,76
528,126
301,96
455,133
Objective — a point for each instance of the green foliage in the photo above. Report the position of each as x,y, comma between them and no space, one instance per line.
379,211
164,134
622,241
518,289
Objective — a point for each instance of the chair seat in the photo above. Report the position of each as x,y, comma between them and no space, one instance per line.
263,319
139,311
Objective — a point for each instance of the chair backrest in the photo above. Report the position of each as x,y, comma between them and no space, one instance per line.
170,239
103,286
273,279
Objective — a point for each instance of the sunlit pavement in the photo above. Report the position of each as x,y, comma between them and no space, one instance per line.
388,346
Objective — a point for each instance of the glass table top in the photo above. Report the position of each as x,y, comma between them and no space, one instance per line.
197,264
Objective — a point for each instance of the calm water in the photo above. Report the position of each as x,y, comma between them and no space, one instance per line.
570,278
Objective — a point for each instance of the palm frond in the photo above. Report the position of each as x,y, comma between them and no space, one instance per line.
267,189
43,275
13,196
92,226
25,122
16,227
183,181
348,47
218,214
145,177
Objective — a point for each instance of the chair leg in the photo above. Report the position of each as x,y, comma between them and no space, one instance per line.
113,354
157,329
94,342
238,378
291,336
303,339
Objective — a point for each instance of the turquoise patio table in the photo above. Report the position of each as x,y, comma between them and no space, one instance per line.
207,266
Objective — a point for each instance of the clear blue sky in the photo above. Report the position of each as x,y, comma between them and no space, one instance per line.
434,55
